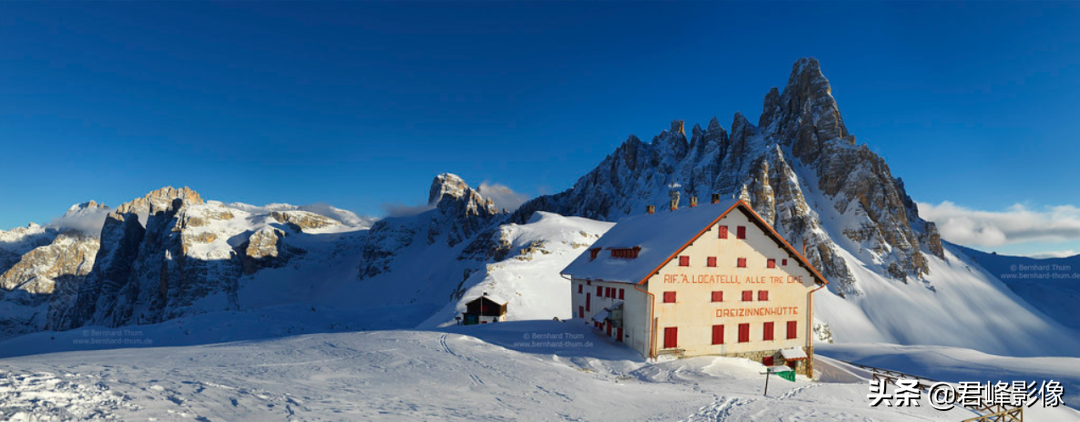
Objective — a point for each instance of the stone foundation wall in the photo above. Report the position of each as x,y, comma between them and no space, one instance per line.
800,366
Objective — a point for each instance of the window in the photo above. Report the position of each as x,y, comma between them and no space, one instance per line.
618,335
580,288
593,253
792,329
718,334
669,297
684,261
747,296
671,337
744,333
625,253
741,263
607,292
763,295
622,294
768,332
600,291
711,261
740,232
771,263
783,262
718,296
723,232
581,312
588,299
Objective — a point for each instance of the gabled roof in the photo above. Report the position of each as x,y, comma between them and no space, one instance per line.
491,298
662,236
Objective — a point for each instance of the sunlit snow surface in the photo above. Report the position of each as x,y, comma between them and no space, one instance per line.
298,349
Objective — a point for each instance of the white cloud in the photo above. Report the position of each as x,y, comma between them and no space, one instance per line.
1017,224
503,196
1053,254
87,221
402,210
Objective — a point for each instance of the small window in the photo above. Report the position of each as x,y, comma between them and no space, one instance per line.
718,334
741,263
600,291
581,312
711,261
763,295
718,296
593,253
588,302
684,261
744,333
671,337
723,232
783,262
740,232
669,297
792,330
580,288
622,294
747,296
768,335
607,292
771,263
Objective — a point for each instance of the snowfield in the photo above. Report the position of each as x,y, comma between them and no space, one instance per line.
561,372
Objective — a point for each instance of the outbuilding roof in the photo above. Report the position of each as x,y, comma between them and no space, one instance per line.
661,237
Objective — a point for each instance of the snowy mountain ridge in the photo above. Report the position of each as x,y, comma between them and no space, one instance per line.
170,254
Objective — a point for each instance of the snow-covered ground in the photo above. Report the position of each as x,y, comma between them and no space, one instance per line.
541,370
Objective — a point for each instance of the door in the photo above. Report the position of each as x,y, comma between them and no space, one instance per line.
671,337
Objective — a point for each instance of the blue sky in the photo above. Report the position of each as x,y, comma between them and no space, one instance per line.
361,104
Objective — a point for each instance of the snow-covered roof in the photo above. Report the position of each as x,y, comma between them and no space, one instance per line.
601,316
495,299
660,236
793,353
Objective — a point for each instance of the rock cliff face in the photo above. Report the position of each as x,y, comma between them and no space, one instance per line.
165,253
798,165
459,214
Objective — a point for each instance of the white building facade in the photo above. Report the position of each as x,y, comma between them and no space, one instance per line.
708,280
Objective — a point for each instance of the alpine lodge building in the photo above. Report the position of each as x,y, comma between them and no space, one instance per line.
705,280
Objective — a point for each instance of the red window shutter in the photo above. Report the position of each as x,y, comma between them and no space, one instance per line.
712,261
622,294
747,296
669,297
718,334
581,312
783,262
607,291
593,253
792,329
671,337
767,361
580,288
588,299
684,261
599,291
723,232
768,331
618,335
718,296
744,333
771,263
741,263
740,232
763,295
608,328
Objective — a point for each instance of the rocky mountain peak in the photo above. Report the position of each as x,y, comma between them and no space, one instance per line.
446,184
160,200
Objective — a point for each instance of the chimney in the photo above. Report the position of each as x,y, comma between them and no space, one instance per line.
650,209
716,198
693,201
